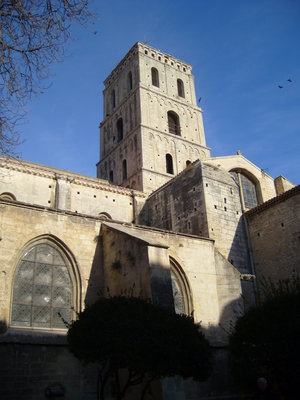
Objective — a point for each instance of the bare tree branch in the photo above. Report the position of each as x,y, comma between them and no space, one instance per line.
33,34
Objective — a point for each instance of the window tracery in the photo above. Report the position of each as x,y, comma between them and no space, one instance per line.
43,289
248,189
181,291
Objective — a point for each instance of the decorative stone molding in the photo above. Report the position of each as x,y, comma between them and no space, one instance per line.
54,173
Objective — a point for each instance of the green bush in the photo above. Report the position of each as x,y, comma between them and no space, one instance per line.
149,341
265,342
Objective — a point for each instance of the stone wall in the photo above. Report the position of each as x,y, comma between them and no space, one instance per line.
116,256
28,369
275,236
283,185
213,283
203,200
49,187
76,236
225,222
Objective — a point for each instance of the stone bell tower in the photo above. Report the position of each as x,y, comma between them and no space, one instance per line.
152,127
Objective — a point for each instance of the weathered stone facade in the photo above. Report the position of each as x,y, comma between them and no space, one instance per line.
163,219
275,237
138,95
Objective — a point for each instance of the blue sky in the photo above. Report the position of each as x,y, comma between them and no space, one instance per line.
240,52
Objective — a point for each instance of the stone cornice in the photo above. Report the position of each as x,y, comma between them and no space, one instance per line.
275,200
138,47
120,66
137,227
54,173
169,57
153,229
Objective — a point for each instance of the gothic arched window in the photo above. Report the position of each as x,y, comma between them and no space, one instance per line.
169,164
173,123
154,77
129,81
43,289
120,129
180,88
111,176
181,291
248,189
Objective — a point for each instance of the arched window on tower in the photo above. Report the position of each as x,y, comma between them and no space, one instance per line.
113,99
173,123
111,176
248,188
43,290
180,88
120,129
124,170
129,81
181,290
155,77
169,164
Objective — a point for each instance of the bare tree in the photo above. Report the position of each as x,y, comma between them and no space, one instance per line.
33,34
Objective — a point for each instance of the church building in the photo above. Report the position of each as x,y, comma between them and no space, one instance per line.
163,218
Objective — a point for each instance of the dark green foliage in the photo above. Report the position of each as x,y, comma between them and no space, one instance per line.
266,343
131,333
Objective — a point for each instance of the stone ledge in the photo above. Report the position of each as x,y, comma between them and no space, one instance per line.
34,336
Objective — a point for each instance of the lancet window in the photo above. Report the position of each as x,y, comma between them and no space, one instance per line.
155,77
43,290
169,164
180,88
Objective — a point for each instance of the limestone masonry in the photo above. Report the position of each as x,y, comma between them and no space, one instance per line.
189,231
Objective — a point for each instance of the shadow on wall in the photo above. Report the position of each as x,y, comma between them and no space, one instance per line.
38,365
33,366
238,254
239,257
220,383
3,326
33,361
96,284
